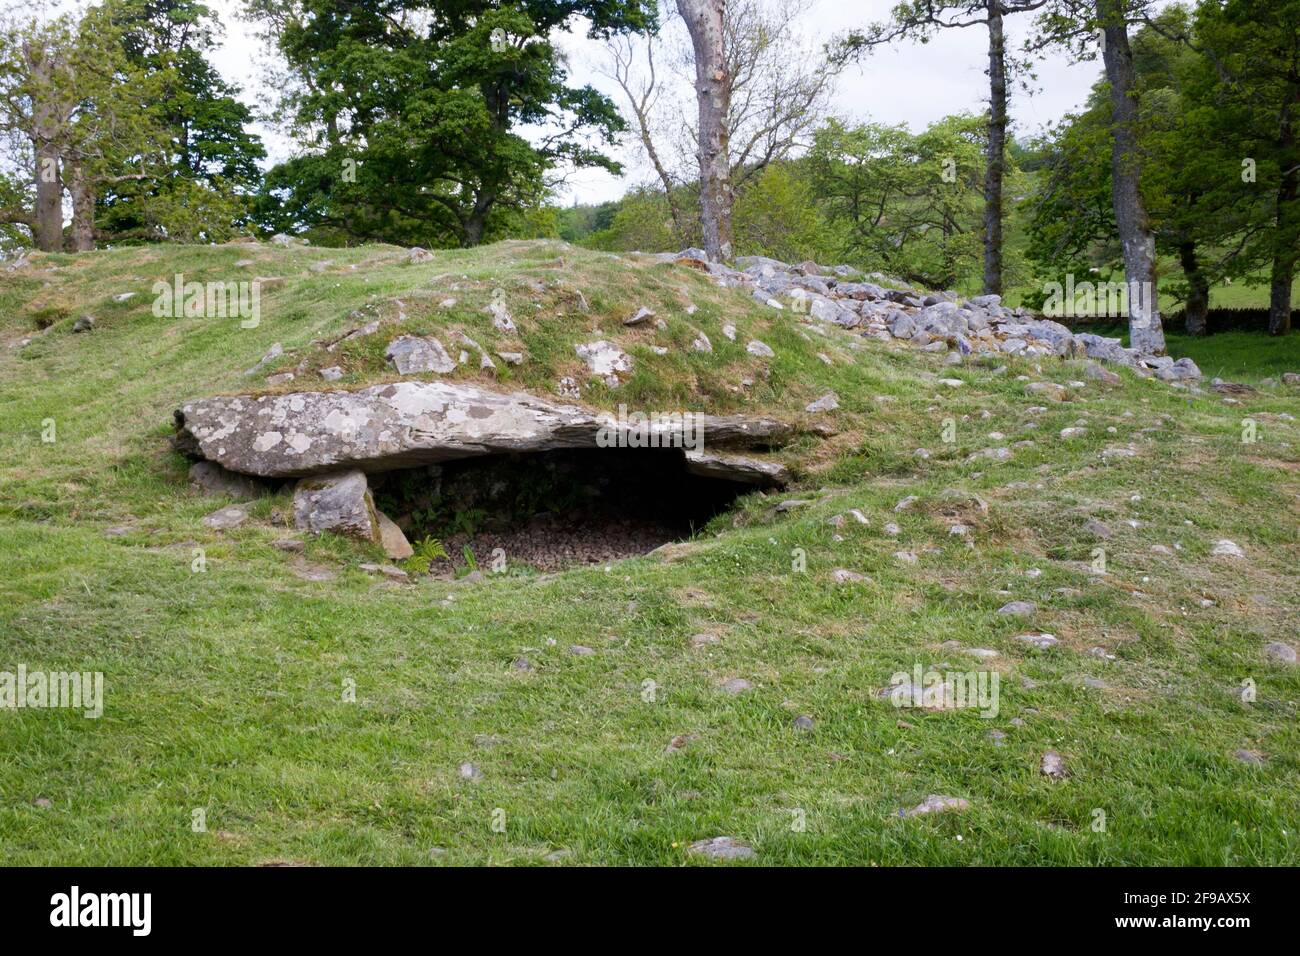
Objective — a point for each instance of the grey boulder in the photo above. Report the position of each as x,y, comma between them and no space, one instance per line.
340,503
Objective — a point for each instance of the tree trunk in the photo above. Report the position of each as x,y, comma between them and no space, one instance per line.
83,210
48,214
476,223
997,144
1198,295
1279,296
1136,238
49,200
1288,217
713,91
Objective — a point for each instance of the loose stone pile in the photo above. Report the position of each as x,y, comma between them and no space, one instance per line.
933,321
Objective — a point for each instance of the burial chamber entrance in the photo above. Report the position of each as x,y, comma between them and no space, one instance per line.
553,509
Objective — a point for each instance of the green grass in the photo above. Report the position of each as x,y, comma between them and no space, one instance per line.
226,689
1239,356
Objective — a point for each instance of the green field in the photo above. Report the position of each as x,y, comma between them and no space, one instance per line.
226,690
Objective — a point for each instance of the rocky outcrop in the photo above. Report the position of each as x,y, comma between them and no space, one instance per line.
405,424
935,321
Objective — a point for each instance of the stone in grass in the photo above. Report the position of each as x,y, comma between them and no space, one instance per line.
1099,373
84,324
1097,529
1252,758
387,570
1040,641
792,503
1053,765
703,640
580,650
412,355
1018,608
605,360
755,347
737,685
468,771
935,803
273,353
983,653
803,722
332,374
1227,549
845,576
892,529
722,848
1282,653
226,518
641,315
827,403
677,743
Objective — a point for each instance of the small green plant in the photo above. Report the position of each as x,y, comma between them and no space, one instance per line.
469,559
427,550
467,522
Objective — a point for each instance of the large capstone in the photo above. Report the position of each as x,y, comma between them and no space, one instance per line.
407,424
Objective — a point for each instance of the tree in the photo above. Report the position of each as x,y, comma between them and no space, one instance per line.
413,113
1077,23
1200,212
643,93
213,161
907,204
778,92
921,19
67,90
1253,54
704,20
35,110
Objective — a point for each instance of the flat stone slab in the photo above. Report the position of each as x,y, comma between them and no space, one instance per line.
750,471
406,424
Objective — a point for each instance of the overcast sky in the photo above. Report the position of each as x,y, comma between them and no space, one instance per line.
908,83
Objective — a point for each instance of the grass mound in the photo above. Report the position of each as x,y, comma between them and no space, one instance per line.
317,712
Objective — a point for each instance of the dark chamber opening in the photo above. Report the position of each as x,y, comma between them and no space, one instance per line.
554,509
